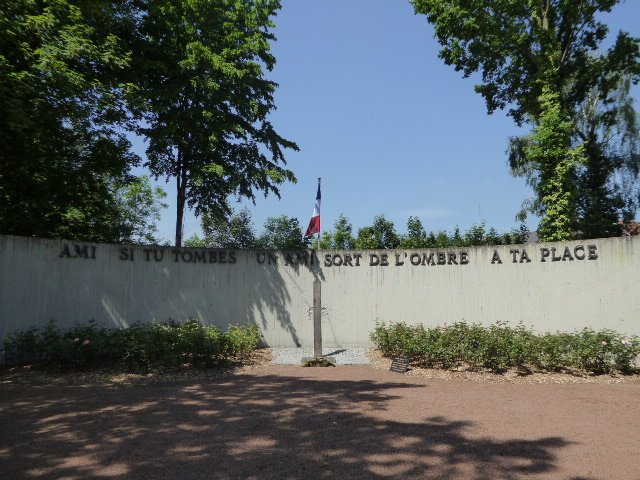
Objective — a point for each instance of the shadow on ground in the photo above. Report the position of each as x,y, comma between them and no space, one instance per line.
247,427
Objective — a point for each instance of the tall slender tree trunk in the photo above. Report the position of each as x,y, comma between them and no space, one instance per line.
181,195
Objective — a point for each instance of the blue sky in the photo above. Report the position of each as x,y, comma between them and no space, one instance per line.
388,127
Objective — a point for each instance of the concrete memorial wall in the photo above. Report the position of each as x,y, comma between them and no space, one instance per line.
555,286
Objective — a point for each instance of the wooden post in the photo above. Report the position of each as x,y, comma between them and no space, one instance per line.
317,319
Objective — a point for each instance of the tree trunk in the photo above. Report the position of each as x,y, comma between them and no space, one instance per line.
181,195
179,215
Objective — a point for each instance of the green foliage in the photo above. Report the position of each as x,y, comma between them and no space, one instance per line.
326,241
282,233
205,101
64,74
522,45
138,348
380,235
499,347
549,151
570,186
343,234
75,76
236,232
241,341
440,239
416,236
318,362
139,206
477,235
194,241
609,181
340,238
543,62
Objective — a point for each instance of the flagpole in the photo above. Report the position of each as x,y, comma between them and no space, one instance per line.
320,227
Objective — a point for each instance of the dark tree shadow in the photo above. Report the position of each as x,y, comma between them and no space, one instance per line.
271,299
272,289
248,427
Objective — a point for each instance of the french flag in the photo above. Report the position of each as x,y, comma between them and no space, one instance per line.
314,224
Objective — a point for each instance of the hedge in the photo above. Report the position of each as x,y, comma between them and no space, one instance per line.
500,347
138,348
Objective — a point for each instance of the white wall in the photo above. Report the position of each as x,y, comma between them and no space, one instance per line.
49,279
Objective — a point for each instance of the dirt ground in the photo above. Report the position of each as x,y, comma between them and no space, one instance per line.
289,422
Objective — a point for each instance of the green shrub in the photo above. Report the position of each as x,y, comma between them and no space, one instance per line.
500,346
138,348
318,362
241,341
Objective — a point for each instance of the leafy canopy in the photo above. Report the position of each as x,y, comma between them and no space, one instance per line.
236,232
205,101
341,238
541,60
518,46
63,155
279,233
381,234
282,233
139,204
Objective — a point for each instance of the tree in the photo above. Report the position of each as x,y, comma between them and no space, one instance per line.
605,181
237,232
282,233
377,236
416,236
539,59
476,235
550,152
339,239
63,79
479,235
343,234
456,239
608,185
326,241
205,102
522,45
440,239
195,241
139,205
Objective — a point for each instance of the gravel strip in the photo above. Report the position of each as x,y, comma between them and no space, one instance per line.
343,356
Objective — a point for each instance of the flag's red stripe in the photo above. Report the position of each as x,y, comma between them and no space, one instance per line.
314,226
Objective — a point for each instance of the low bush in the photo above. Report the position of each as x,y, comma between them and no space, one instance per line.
138,348
500,346
318,362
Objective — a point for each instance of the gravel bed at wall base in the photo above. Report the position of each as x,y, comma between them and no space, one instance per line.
343,356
